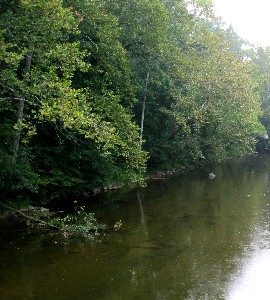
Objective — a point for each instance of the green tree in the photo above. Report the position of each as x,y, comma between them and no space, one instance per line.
40,91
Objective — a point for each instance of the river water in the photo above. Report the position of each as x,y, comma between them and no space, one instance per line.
185,237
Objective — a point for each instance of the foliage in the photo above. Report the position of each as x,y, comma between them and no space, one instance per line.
79,78
82,223
261,59
49,97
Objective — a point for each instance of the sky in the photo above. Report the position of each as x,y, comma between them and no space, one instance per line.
250,19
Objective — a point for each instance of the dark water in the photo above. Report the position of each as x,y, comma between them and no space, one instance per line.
187,237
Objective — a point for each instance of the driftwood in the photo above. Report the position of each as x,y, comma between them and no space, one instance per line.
30,217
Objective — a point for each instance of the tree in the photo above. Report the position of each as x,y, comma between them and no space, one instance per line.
43,35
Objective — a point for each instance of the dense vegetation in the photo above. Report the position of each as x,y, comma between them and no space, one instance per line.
96,92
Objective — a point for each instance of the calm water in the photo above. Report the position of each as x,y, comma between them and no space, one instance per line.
187,237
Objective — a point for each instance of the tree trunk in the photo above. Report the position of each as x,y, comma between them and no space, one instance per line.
144,103
16,146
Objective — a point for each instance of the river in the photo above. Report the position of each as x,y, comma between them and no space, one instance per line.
185,237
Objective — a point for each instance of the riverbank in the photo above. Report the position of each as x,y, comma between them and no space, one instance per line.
89,195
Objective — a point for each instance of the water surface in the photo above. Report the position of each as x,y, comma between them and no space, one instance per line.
186,237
